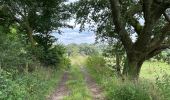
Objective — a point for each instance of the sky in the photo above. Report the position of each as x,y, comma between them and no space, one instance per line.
73,35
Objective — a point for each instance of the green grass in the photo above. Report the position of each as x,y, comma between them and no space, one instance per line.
40,83
36,85
77,86
144,89
78,60
150,70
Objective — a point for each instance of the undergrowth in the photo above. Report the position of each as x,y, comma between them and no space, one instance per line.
28,86
116,89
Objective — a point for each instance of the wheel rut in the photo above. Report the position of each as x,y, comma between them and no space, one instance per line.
96,91
62,89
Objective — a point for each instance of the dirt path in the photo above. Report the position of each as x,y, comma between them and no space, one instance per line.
95,90
61,90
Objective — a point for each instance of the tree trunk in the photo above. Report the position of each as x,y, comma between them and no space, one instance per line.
132,69
29,33
118,67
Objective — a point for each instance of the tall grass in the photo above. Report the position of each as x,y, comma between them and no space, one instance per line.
78,60
36,85
151,69
116,89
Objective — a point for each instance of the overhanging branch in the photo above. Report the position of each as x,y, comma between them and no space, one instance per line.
119,25
166,17
157,40
157,50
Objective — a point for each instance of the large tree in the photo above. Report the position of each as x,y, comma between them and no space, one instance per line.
123,19
36,20
37,16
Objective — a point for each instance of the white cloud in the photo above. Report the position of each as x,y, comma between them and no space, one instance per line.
72,0
73,36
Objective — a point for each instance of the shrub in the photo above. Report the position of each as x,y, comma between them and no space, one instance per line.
9,89
34,85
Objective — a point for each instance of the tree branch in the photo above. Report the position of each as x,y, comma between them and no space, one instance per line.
147,9
157,51
157,40
166,17
119,25
133,21
152,14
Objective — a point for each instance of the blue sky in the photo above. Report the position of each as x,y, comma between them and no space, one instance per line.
73,35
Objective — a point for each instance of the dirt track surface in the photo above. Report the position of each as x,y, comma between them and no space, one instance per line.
95,90
61,90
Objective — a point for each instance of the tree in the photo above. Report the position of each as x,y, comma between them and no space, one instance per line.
38,16
115,50
123,18
37,19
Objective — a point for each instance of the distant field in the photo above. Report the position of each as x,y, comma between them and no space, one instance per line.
78,60
151,69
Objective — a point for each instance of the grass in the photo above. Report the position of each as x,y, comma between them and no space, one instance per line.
40,83
77,86
149,87
36,85
78,60
150,70
115,89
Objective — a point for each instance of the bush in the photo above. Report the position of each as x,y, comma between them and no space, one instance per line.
52,56
9,89
28,86
97,65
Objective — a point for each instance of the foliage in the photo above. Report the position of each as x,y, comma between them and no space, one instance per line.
83,49
96,64
52,56
96,61
10,89
34,22
32,86
123,21
14,52
164,56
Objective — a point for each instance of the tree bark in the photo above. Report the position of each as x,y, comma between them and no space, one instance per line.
118,67
132,68
29,33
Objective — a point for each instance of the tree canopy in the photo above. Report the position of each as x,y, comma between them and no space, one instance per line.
123,20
